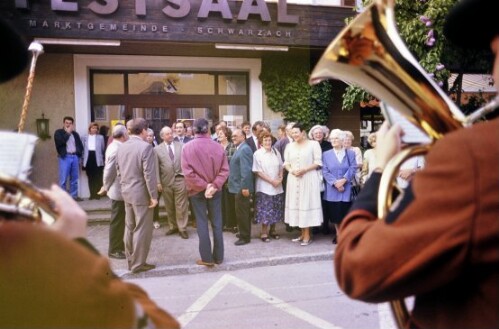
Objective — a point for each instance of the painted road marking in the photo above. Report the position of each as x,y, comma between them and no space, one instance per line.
227,279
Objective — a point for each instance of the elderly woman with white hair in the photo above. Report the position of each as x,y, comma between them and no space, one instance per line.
338,168
369,160
319,133
347,144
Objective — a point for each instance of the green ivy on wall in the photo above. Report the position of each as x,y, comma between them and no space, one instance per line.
285,82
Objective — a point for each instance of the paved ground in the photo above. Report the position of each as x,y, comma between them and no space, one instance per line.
173,255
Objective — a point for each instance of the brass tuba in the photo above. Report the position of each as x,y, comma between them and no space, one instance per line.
370,53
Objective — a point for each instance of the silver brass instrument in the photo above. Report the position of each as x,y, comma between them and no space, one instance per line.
19,199
370,53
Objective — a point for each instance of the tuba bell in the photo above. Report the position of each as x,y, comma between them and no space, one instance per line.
370,53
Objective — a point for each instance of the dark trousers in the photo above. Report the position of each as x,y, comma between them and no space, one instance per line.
117,227
243,205
228,209
94,174
209,211
156,210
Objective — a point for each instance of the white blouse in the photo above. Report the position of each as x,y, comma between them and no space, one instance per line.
269,163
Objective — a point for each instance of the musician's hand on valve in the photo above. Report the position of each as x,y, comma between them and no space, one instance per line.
72,219
388,143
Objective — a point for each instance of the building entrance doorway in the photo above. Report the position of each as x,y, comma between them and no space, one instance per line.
163,98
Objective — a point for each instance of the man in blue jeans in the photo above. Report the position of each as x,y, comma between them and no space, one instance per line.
205,168
69,150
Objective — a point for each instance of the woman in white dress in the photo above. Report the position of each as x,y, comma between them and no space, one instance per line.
302,159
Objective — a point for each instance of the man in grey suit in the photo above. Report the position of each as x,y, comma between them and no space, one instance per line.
113,188
241,184
171,182
136,167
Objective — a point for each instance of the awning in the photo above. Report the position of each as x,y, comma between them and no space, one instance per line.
475,83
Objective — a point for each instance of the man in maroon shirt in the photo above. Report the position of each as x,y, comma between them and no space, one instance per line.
206,169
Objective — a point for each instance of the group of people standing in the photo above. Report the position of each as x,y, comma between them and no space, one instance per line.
228,178
90,148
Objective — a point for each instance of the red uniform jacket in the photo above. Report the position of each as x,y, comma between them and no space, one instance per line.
49,281
441,245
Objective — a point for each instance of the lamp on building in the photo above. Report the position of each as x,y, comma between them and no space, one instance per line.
42,127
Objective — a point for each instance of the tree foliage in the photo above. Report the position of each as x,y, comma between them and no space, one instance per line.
420,25
285,82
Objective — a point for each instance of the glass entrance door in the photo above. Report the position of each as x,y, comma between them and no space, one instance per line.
156,117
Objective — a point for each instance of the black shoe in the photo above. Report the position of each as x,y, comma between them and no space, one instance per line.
172,231
183,235
117,255
78,199
144,268
241,242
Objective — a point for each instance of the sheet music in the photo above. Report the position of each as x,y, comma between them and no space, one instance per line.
412,134
16,151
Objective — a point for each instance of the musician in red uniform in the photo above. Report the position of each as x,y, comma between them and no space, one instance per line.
50,276
441,243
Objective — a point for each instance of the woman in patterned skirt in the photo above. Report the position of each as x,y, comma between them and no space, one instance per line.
267,166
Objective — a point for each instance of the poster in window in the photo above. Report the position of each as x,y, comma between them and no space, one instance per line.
100,113
156,114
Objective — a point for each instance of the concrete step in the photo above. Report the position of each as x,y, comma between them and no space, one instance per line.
99,211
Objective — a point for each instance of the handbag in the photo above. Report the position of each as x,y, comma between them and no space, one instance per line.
355,188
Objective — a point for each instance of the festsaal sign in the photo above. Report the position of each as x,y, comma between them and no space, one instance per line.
177,20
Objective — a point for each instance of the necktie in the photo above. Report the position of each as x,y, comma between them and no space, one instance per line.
170,151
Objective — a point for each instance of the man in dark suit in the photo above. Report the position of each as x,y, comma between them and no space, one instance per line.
171,182
441,243
69,150
241,184
112,185
252,140
136,166
180,130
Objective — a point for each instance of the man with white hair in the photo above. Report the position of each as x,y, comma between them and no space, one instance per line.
171,182
112,185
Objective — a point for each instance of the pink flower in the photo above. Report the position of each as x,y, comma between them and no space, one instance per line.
425,20
439,67
430,40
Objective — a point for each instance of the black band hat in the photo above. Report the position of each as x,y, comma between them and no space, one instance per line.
473,23
14,55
